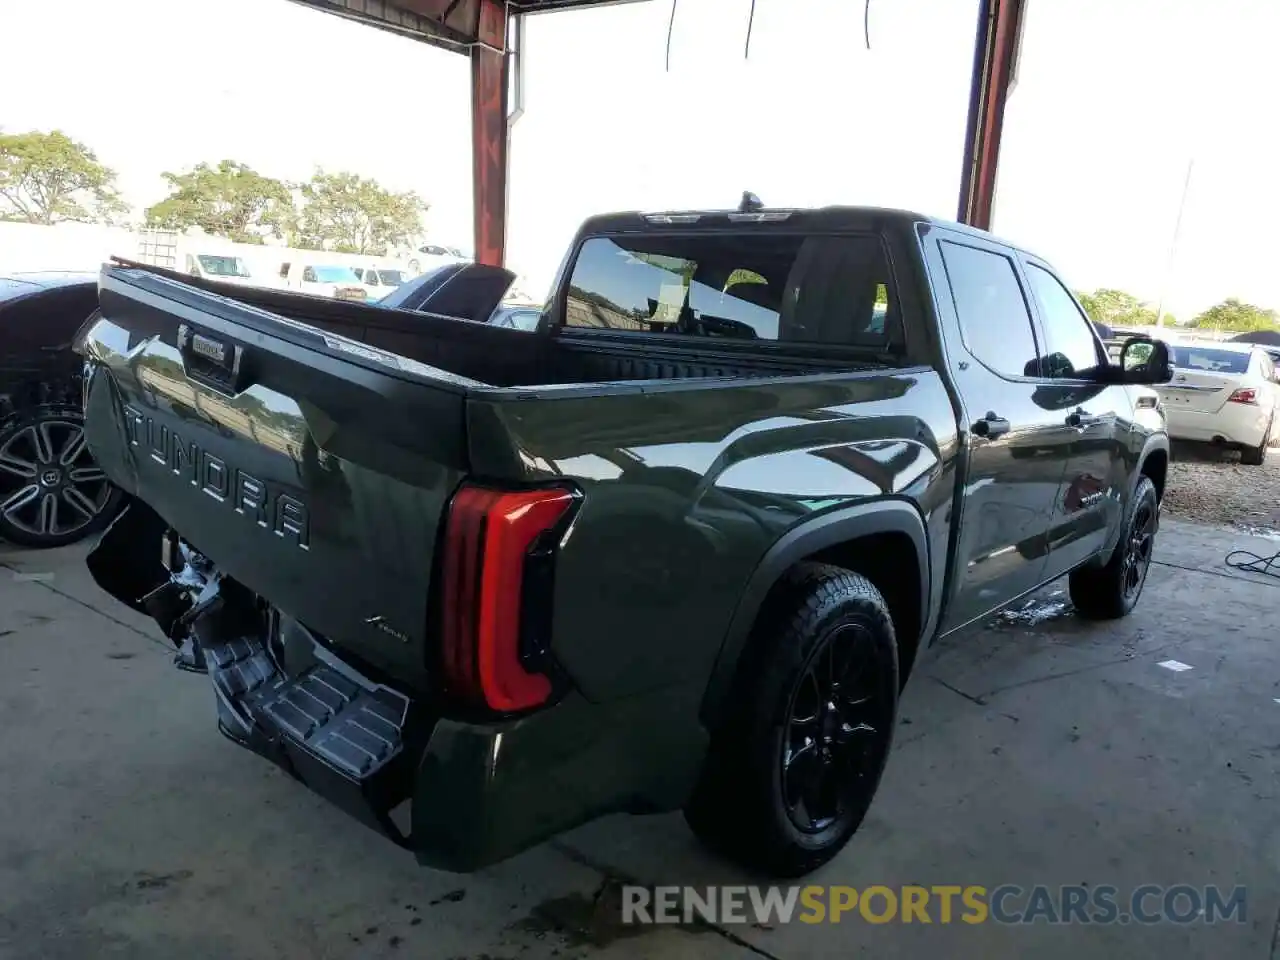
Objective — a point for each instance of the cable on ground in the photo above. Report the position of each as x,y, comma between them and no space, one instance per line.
1251,562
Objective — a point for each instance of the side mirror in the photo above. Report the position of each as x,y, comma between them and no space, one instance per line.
1145,360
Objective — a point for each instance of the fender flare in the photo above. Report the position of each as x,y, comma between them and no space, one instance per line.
1155,443
888,515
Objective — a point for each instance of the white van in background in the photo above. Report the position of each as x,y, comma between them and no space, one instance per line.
336,280
198,254
225,267
379,279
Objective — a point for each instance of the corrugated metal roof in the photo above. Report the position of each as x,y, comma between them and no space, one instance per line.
452,24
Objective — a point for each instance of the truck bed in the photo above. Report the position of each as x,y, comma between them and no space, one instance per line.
481,355
316,466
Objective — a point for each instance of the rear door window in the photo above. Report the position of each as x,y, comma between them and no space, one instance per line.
993,314
800,288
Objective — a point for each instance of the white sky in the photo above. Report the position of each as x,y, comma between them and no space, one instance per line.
1114,98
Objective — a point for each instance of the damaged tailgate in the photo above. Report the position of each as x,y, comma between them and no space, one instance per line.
312,469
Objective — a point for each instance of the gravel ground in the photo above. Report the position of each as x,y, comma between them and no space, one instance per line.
1211,486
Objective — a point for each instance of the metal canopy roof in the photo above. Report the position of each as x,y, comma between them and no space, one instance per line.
453,24
479,28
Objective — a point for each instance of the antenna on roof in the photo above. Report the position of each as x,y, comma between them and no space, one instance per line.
750,203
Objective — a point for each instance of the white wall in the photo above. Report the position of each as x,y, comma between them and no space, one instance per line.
67,246
81,246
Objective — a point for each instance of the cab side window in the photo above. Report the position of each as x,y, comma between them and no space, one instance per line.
993,314
1071,346
309,275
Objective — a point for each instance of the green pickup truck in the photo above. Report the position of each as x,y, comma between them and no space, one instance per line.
678,548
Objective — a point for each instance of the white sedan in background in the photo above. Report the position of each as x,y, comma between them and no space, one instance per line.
1224,394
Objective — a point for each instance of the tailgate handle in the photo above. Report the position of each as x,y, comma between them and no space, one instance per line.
212,361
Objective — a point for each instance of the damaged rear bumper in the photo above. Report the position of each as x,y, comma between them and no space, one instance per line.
459,795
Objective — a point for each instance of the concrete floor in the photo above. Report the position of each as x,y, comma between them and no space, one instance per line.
1057,754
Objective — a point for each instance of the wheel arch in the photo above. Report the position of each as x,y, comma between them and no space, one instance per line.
894,526
1154,463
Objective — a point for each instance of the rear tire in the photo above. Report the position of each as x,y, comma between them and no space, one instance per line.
792,771
1111,592
51,492
1256,456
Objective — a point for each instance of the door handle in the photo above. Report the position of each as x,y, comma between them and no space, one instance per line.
990,427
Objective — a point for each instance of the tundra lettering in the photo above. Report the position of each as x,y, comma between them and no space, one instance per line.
282,514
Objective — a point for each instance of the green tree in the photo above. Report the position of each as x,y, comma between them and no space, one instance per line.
230,200
1238,317
352,214
48,178
1115,308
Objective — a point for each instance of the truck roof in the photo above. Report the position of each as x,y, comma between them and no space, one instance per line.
816,218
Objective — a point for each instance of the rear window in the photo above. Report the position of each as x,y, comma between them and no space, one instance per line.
1210,360
794,288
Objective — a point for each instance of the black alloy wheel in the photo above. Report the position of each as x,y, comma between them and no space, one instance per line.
795,761
1137,551
1112,589
837,731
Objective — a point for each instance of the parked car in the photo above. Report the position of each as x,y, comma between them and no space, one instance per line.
324,280
1225,394
431,255
680,547
219,266
379,281
52,493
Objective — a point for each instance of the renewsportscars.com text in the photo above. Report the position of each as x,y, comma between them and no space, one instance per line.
1005,904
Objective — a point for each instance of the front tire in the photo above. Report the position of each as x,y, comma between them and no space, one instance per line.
51,492
1112,591
791,773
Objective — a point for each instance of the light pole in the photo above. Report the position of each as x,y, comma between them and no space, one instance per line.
1173,245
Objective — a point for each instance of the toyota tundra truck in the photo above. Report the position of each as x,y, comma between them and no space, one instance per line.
678,548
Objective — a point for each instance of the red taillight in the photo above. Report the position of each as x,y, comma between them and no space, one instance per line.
488,539
1244,395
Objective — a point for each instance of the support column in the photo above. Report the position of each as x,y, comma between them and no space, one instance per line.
994,61
489,135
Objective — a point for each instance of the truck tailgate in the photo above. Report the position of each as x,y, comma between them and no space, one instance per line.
310,468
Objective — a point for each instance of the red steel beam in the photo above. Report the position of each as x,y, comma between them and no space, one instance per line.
489,66
994,59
